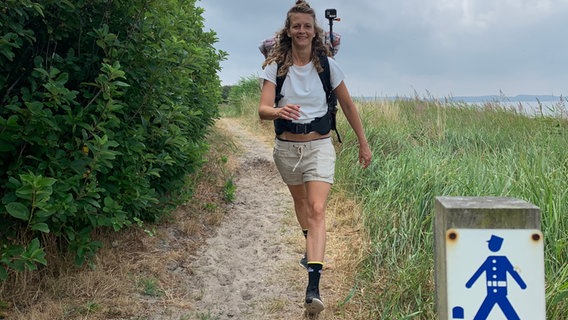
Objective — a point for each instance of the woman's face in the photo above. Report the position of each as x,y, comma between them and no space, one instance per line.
302,29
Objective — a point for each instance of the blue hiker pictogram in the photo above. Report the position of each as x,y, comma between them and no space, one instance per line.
496,269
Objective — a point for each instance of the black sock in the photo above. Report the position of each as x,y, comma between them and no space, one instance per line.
314,274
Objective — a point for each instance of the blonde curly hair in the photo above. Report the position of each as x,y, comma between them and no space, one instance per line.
281,53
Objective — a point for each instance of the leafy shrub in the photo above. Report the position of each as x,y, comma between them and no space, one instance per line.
104,110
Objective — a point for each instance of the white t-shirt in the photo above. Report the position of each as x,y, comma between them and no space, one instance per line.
303,87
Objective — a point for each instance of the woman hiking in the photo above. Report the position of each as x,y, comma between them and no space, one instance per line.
303,151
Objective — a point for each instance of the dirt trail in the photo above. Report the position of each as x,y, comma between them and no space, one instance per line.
238,273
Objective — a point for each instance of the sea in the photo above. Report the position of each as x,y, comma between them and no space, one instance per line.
530,105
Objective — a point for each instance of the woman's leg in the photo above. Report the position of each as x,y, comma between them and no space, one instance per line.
300,197
309,203
301,208
317,193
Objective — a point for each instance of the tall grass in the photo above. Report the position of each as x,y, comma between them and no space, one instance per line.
243,102
242,97
423,150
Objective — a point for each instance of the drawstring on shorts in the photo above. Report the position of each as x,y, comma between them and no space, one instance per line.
300,148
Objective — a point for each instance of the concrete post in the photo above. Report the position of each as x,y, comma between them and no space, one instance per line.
474,213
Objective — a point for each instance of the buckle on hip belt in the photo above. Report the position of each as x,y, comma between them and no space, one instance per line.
301,128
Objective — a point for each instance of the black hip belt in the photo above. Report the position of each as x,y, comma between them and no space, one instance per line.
321,125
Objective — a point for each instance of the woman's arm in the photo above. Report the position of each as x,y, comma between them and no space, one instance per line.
266,110
352,114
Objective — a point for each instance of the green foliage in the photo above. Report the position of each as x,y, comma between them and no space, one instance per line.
423,150
150,287
229,190
104,111
241,93
21,258
225,90
84,310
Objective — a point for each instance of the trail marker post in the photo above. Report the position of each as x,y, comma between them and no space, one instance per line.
489,259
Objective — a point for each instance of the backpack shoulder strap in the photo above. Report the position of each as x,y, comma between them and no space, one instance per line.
331,99
325,75
279,83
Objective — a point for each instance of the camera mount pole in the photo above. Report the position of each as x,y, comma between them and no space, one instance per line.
331,17
331,35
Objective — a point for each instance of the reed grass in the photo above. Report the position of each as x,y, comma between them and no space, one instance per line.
422,150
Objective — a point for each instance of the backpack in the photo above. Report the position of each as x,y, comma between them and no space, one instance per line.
323,124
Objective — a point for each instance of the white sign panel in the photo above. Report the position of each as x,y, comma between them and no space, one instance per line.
495,274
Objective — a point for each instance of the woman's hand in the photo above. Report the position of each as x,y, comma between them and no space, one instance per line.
365,154
288,112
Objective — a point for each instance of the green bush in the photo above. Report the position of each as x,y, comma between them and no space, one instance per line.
105,106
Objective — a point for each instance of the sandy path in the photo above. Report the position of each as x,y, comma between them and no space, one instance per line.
239,273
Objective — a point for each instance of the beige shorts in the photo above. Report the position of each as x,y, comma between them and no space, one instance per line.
300,162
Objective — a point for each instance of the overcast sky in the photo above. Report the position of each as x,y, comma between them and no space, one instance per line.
438,48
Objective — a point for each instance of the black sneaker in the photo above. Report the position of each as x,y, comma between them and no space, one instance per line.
304,262
313,303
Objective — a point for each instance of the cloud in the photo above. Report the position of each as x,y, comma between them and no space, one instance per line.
464,47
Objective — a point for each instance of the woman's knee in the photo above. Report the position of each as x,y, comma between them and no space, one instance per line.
317,211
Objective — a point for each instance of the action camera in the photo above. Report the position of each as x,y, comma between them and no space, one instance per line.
330,13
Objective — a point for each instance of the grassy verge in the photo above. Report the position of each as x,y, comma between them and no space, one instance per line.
423,150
